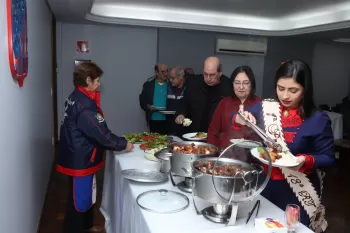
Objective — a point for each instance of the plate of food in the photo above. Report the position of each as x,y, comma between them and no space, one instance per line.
283,159
199,136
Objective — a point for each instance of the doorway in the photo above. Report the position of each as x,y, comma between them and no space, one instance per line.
54,84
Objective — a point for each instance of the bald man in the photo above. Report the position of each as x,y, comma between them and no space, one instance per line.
203,94
153,98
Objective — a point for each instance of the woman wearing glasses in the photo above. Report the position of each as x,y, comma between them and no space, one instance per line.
220,131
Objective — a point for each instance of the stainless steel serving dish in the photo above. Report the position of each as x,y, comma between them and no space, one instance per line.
218,189
163,160
240,183
181,163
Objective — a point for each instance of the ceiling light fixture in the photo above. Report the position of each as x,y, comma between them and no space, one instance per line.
342,40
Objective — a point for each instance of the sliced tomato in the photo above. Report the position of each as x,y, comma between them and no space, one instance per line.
147,138
144,146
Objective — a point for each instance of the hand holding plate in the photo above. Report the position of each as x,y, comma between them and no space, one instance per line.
301,161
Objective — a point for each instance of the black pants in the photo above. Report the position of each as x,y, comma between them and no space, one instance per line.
160,127
75,221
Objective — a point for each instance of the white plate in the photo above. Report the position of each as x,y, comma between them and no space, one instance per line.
168,112
189,136
245,144
287,160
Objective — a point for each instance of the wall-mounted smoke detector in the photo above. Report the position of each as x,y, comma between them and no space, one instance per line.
342,40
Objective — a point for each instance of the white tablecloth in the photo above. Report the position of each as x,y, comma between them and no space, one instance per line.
123,215
337,124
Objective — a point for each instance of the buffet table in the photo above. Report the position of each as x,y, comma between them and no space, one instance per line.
123,215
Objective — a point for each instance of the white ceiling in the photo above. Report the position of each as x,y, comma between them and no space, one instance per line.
259,8
257,17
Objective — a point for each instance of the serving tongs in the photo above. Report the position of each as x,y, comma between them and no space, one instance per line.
269,142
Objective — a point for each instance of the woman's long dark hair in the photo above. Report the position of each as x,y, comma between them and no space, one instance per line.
302,74
249,72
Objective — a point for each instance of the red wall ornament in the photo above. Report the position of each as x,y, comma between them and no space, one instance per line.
82,46
17,39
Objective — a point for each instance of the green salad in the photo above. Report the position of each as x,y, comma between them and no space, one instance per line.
148,140
142,137
260,150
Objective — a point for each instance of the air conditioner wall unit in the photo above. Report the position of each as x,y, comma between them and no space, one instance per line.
241,46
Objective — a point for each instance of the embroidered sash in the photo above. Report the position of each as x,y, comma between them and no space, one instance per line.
300,184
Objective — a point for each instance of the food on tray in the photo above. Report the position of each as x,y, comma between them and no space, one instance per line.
148,140
272,153
220,170
200,135
154,143
142,137
193,149
187,122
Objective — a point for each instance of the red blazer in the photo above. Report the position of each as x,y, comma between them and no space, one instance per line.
220,130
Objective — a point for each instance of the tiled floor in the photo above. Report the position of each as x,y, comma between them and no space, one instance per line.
336,198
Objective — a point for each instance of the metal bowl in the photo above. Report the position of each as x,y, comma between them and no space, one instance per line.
218,189
181,163
163,160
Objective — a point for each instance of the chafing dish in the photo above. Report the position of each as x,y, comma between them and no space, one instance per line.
180,163
234,177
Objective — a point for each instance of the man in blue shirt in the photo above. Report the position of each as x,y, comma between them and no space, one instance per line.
153,99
